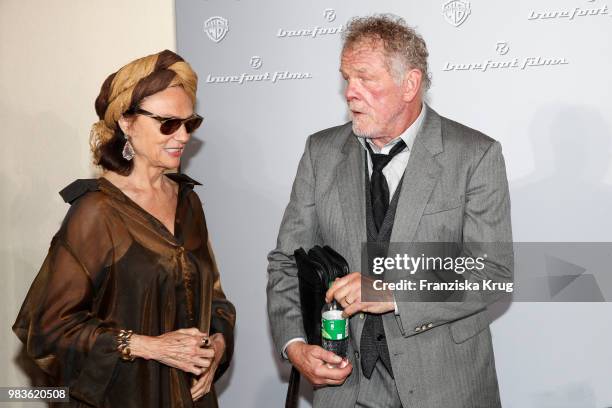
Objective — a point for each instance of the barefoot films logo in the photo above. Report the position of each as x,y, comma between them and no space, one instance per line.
256,63
502,48
314,32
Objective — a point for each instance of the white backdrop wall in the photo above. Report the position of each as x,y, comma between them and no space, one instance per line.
534,75
54,56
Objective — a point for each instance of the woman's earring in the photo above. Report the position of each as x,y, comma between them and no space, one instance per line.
128,151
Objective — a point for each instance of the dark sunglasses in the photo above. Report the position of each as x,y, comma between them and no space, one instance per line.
171,125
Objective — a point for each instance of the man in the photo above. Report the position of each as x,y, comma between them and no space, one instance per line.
399,172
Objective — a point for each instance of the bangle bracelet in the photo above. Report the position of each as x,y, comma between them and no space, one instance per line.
123,344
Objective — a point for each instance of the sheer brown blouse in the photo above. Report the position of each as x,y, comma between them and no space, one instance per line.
113,266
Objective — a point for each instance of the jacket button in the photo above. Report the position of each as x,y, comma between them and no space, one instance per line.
430,325
424,327
361,315
380,337
356,355
417,329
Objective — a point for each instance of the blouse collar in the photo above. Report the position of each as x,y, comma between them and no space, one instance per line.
80,187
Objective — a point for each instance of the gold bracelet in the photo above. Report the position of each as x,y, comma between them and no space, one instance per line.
123,345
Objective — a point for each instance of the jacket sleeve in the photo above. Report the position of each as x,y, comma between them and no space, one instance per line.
56,321
298,228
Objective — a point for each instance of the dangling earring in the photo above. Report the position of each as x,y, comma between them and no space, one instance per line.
128,151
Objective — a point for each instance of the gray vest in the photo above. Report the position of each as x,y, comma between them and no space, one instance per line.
373,340
384,235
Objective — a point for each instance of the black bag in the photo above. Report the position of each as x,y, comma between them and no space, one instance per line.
316,270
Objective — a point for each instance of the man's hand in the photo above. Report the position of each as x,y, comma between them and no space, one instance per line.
313,362
347,292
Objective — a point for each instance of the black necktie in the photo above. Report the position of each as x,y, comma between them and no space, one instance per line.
379,189
373,342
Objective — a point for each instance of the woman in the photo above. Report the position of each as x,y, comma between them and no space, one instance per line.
127,309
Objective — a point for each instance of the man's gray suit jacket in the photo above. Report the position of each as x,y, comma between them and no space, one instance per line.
454,189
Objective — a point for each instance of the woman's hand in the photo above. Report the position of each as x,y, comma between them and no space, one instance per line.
202,386
182,349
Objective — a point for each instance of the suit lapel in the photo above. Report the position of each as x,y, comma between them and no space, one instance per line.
351,188
419,179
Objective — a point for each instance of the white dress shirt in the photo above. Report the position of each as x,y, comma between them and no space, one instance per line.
394,170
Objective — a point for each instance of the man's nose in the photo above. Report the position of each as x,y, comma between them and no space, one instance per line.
351,92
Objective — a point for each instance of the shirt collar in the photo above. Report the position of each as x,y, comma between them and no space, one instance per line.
408,136
80,187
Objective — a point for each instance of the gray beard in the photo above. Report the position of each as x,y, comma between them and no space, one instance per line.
360,132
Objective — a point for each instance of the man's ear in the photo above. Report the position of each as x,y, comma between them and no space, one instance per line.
411,84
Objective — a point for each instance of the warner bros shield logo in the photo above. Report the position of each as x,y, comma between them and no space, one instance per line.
216,28
456,12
